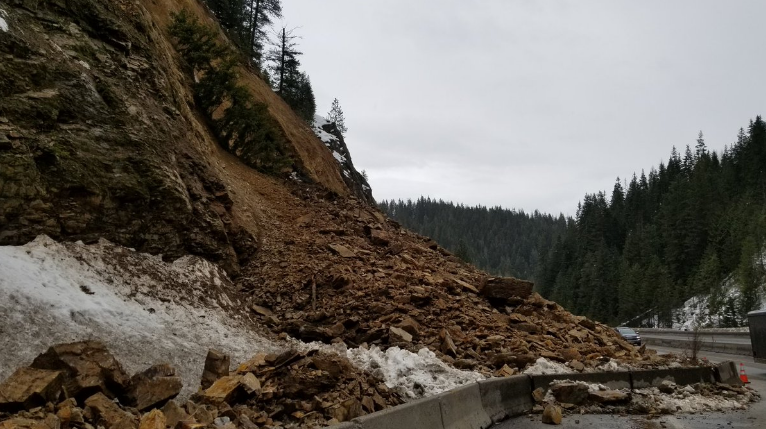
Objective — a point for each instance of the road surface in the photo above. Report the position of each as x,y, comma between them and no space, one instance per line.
754,417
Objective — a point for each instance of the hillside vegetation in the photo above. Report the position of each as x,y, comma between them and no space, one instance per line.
672,234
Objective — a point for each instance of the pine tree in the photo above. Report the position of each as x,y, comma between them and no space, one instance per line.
336,115
260,15
289,82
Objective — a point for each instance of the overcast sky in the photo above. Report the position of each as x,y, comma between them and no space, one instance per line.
529,104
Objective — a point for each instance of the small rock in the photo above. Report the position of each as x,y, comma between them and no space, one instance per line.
573,393
609,396
174,413
667,386
379,238
231,389
552,415
577,365
263,311
399,335
410,325
154,419
341,250
106,413
538,395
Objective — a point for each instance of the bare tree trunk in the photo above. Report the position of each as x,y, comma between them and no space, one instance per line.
282,62
254,12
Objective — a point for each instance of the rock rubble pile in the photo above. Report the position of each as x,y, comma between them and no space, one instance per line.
81,385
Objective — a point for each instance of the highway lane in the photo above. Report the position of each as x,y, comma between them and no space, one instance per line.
754,417
708,338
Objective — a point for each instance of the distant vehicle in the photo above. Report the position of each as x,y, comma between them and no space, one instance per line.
757,322
629,335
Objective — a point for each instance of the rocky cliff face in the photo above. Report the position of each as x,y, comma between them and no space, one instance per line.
331,136
99,136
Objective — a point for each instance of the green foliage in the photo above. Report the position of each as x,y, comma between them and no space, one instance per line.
245,22
668,236
500,241
245,127
293,85
336,115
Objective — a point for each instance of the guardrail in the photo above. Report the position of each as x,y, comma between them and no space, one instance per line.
480,405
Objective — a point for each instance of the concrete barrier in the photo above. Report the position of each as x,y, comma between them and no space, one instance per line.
681,376
506,397
462,409
423,413
479,405
612,380
727,373
735,349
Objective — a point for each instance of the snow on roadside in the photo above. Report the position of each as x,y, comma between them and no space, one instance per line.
3,23
417,375
544,366
146,311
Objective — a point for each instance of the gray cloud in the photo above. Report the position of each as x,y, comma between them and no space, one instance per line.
529,104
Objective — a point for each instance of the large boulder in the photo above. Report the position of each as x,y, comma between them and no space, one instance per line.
507,290
154,387
87,368
104,412
29,387
570,393
216,366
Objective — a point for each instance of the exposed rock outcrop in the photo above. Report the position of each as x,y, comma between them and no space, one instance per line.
331,136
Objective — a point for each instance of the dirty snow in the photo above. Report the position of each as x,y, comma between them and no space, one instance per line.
3,23
684,399
171,312
688,400
338,157
417,375
544,366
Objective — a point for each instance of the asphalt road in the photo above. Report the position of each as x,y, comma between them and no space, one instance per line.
754,417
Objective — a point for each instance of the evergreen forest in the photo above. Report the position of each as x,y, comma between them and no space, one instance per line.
692,224
500,241
680,231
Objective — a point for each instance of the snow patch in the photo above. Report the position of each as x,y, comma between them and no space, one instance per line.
544,366
62,292
323,135
417,375
338,157
3,22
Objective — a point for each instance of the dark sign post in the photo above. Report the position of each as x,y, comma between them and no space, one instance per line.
757,322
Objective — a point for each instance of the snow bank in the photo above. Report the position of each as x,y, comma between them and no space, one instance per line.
146,311
3,23
688,400
544,366
417,375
